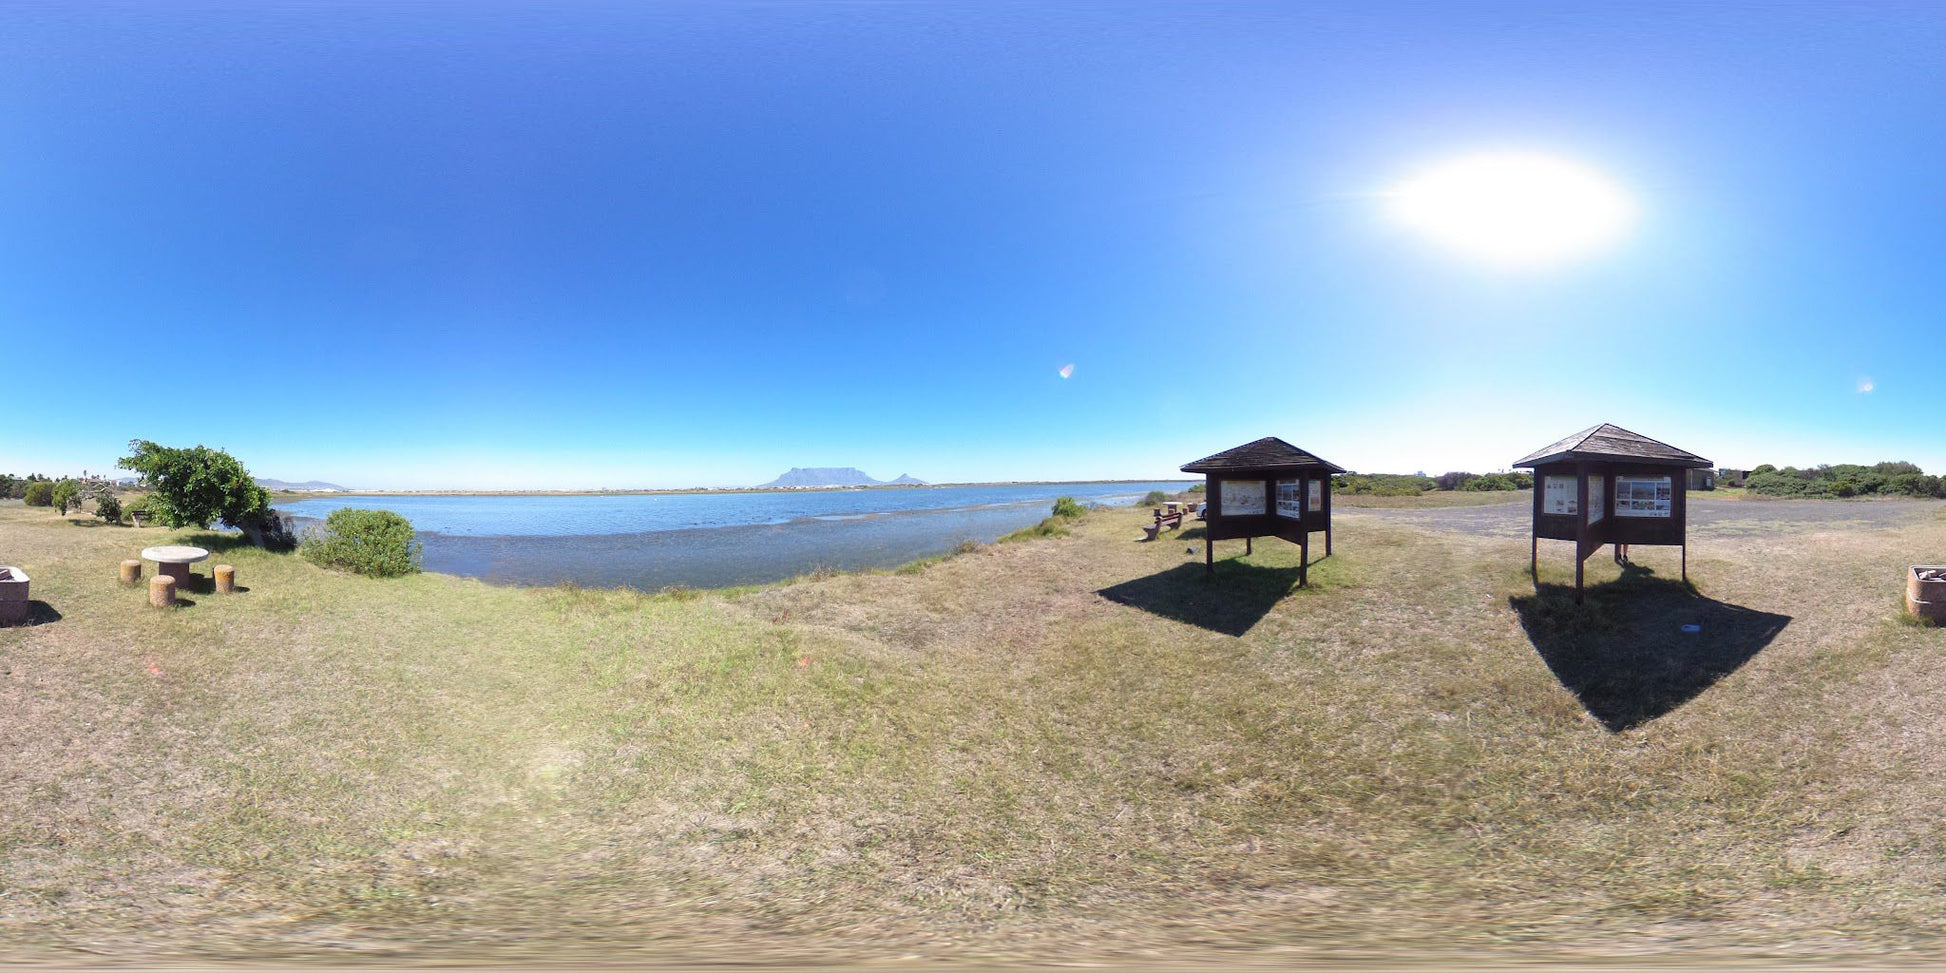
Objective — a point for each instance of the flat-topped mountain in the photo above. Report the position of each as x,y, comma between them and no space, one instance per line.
836,476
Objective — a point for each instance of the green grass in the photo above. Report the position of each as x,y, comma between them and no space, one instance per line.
1079,748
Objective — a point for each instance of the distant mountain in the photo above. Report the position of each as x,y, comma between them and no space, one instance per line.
906,479
831,476
314,485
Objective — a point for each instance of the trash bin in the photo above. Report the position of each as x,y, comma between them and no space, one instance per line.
1925,592
13,596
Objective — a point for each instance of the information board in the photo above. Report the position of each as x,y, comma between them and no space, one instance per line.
1317,494
1644,496
1240,498
1597,498
1558,496
1290,499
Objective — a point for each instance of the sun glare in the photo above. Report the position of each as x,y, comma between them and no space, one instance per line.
1515,211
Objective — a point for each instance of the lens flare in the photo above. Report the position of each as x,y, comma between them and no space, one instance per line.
1865,386
1067,371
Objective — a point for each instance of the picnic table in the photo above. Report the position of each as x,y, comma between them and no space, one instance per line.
174,560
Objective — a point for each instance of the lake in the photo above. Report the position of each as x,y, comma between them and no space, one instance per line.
710,540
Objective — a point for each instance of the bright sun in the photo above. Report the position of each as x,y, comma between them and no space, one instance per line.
1514,210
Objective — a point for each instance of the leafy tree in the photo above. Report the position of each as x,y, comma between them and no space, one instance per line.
65,493
108,508
39,493
195,486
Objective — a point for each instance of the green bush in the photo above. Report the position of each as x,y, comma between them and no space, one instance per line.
39,494
1381,484
109,509
378,543
1153,498
1068,507
1845,480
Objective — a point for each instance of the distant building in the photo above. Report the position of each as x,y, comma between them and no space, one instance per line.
1732,478
1702,479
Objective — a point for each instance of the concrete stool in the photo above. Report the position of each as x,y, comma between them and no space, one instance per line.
162,591
225,579
131,571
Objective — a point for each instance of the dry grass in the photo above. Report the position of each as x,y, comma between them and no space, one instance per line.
1432,499
983,758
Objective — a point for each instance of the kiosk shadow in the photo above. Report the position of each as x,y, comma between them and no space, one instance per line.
1230,602
1624,653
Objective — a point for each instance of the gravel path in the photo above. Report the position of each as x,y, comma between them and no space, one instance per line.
1707,517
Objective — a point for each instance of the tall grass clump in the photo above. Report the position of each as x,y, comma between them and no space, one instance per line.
1055,525
377,543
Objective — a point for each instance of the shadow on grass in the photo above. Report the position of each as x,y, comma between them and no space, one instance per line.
1230,602
38,613
216,543
1624,653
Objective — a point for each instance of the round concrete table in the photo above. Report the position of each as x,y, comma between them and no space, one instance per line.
174,561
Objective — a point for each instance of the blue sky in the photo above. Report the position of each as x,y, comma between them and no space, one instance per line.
484,245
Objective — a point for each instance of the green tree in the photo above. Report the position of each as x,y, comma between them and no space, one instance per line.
39,493
65,493
195,486
108,508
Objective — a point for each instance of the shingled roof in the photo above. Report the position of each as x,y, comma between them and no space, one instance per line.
1266,455
1611,443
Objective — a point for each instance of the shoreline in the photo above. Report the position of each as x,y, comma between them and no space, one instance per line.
687,491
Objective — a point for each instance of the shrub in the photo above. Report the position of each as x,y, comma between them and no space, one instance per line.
1068,507
378,543
1153,498
108,508
1381,484
192,487
39,494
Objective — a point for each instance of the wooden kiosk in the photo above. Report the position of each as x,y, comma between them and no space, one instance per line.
1607,485
1268,488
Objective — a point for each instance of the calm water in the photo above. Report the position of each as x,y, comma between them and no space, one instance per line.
712,540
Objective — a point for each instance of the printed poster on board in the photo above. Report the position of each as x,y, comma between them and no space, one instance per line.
1290,499
1240,498
1644,496
1558,496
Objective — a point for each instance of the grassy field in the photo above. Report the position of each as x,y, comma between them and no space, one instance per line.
1072,748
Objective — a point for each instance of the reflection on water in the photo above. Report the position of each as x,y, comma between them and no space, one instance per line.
712,540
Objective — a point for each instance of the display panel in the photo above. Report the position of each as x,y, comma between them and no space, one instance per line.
1597,498
1240,498
1290,499
1644,496
1317,494
1558,496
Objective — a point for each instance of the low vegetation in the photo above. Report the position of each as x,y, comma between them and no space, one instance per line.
39,493
1414,484
377,543
1845,480
1066,511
